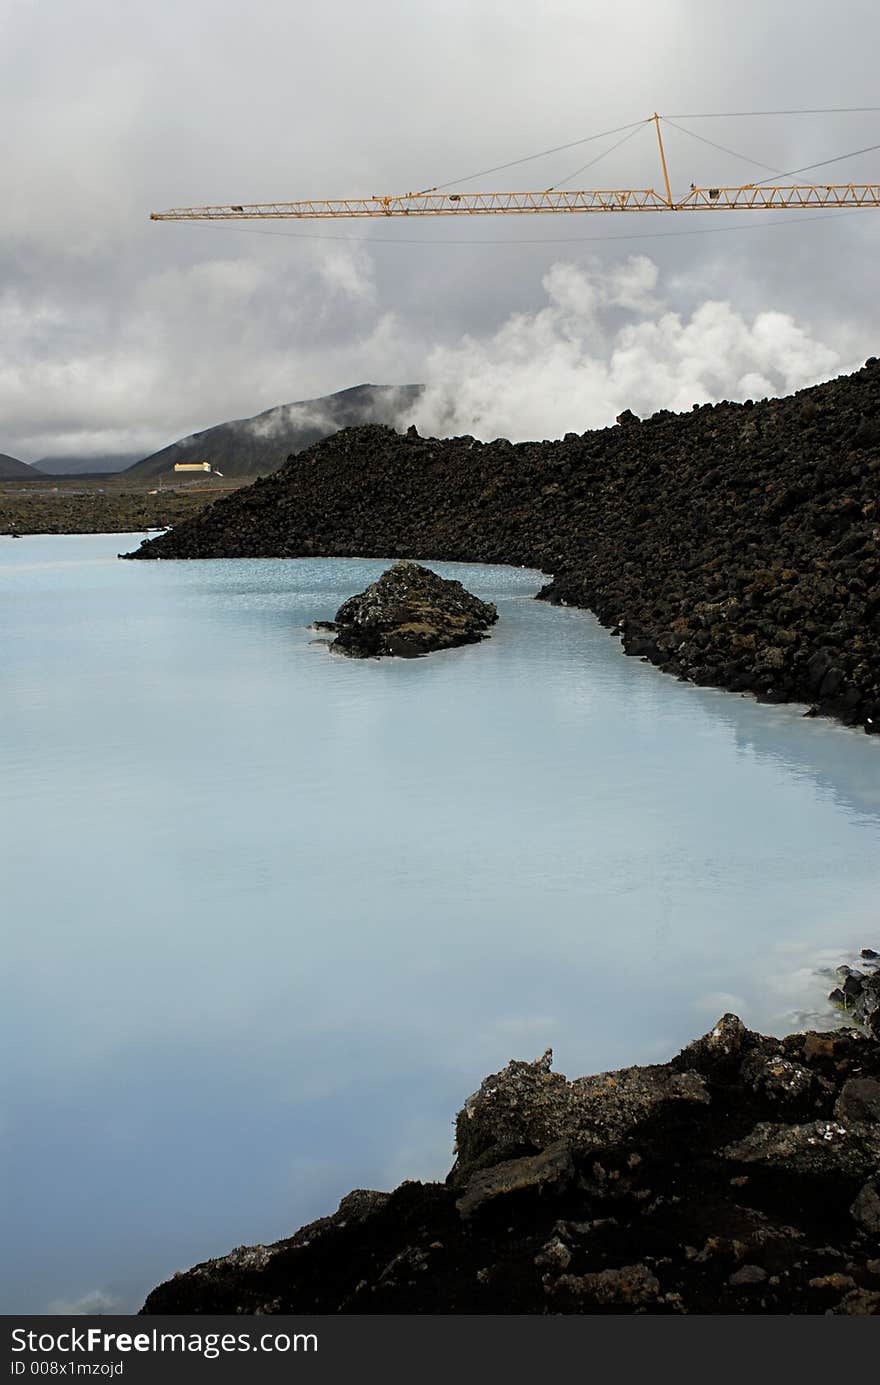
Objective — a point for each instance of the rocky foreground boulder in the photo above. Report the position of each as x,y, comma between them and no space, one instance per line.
737,546
409,611
741,1177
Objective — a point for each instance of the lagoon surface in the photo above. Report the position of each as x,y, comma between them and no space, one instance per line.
269,915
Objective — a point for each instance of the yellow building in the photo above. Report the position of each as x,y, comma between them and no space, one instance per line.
193,466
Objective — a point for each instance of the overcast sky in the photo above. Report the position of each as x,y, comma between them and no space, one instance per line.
118,334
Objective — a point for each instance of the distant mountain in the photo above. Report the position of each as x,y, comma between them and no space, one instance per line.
87,463
11,469
259,445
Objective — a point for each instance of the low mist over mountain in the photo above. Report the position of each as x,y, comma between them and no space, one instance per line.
11,469
86,464
259,445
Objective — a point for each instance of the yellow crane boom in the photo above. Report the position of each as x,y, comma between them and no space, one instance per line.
504,203
433,202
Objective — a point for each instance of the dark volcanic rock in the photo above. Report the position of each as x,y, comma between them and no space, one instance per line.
737,545
528,1107
739,1178
410,611
859,994
551,1166
820,1147
866,1208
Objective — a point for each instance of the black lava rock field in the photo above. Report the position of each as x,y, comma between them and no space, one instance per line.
742,1177
737,546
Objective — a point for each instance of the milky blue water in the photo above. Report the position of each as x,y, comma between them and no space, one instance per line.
269,915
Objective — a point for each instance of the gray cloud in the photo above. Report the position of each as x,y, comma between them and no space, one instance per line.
118,334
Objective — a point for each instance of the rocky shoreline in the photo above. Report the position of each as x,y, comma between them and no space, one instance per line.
743,1176
737,546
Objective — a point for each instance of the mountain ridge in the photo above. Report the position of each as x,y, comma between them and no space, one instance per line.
260,444
86,463
255,445
11,469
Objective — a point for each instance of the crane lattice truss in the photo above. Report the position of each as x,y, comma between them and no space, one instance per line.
747,197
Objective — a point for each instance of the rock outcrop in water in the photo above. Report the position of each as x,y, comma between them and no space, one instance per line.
737,546
741,1177
409,611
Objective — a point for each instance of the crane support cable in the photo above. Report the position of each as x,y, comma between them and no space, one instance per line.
792,172
746,158
733,115
529,241
599,157
529,158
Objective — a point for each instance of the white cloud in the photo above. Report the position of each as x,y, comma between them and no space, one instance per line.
573,364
